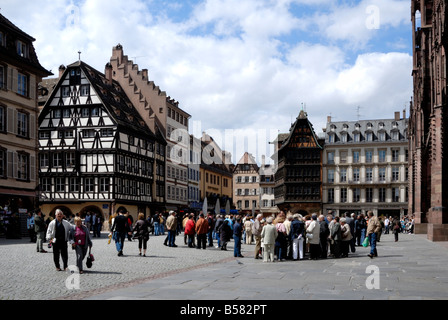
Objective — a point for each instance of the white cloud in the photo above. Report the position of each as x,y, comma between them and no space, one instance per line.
226,63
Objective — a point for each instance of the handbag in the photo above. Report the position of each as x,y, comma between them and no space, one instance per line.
365,243
90,259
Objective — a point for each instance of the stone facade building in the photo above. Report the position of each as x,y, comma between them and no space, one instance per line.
365,167
428,167
20,73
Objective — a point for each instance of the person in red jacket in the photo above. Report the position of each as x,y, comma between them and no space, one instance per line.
190,230
201,231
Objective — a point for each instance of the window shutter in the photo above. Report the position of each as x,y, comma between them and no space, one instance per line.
32,118
14,165
32,168
10,167
12,120
32,93
9,79
15,80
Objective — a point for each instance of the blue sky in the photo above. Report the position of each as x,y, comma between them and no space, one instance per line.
242,65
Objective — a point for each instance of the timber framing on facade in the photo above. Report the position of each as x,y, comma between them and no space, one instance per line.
298,179
95,149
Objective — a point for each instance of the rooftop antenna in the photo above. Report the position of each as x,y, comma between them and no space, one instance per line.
79,56
357,112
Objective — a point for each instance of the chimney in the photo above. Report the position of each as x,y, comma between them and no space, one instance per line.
328,119
397,115
404,114
61,70
108,73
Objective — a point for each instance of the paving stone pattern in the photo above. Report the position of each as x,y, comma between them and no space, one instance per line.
413,268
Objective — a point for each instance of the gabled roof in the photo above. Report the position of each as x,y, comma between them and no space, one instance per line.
301,117
9,51
114,99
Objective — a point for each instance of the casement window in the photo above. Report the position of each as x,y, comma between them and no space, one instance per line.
343,194
395,173
104,184
381,155
74,185
23,164
330,195
89,185
44,160
395,194
356,194
382,195
369,195
395,155
46,184
22,124
22,84
60,184
85,90
70,159
88,133
65,91
369,174
22,49
382,174
107,132
57,160
356,174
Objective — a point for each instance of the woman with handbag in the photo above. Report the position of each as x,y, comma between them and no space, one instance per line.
141,229
79,238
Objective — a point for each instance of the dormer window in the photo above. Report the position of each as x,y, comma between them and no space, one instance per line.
381,125
345,127
22,49
369,126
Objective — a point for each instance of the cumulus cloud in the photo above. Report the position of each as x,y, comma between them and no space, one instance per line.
238,64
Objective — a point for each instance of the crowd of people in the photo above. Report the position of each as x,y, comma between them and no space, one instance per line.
275,238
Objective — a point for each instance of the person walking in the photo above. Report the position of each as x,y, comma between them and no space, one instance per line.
373,227
256,231
268,236
171,226
58,235
297,233
201,229
237,235
40,228
189,230
396,228
88,221
120,229
225,233
79,238
141,230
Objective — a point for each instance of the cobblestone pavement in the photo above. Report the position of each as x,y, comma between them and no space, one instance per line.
413,268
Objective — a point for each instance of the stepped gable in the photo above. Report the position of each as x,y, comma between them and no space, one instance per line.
149,95
115,100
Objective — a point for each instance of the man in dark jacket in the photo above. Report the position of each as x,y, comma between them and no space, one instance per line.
40,227
323,237
237,235
120,229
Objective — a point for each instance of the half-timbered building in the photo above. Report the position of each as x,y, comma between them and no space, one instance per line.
96,152
298,178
